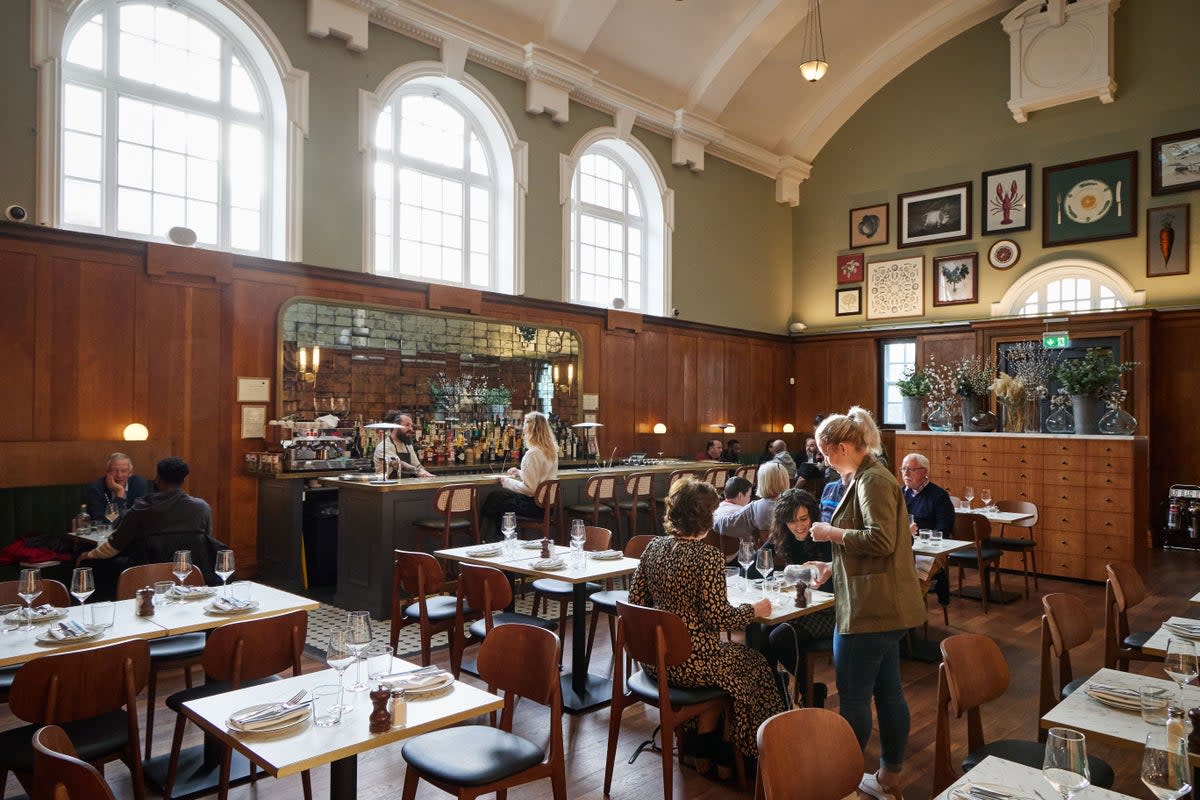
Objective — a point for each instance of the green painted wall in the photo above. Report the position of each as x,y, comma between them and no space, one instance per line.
728,224
944,120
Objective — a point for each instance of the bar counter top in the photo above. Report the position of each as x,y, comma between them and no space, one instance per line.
438,481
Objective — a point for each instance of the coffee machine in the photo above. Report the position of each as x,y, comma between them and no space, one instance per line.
1182,528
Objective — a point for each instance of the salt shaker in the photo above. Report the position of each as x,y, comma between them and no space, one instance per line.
545,548
145,601
380,721
399,709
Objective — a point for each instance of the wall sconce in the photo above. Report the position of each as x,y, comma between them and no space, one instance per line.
558,384
726,427
136,432
306,375
660,427
789,427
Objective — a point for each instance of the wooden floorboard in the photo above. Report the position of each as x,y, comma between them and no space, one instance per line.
1171,577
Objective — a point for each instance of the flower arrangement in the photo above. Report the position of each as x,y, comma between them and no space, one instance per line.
1093,374
1115,398
915,382
1033,364
1061,399
974,376
1012,392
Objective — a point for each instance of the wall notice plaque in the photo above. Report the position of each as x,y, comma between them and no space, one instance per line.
254,390
254,421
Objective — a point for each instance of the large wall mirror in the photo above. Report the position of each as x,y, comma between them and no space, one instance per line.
353,360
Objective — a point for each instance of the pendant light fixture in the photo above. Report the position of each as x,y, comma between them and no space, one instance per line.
814,66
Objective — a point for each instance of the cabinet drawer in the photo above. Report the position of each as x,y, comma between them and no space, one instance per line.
985,460
1028,445
982,444
1063,519
1023,460
1066,542
1063,477
1064,447
1064,461
1018,490
1119,466
1095,568
1063,565
929,446
1024,476
1108,448
1121,481
944,476
1106,523
1108,501
1110,548
1063,496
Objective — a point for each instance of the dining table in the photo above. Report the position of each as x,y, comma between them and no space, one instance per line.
305,745
1187,628
1000,779
783,608
925,649
582,690
994,517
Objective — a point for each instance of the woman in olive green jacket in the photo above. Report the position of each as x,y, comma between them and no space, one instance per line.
878,596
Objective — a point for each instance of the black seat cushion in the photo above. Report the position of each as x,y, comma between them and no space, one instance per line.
646,688
471,755
607,601
1012,543
625,505
208,689
440,608
1031,754
556,587
586,510
1071,687
989,554
1137,640
439,524
478,628
6,679
170,648
94,738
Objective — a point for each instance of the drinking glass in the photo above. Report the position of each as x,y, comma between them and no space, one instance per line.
935,537
578,538
1165,768
162,592
508,527
181,565
1065,766
765,563
358,624
83,583
731,574
968,495
985,497
339,656
327,708
745,557
111,512
224,568
1180,663
1156,703
29,586
104,615
379,660
924,534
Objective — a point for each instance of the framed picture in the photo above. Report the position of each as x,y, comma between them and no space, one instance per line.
896,288
1004,253
1175,162
849,301
1168,237
1087,201
1005,204
934,215
956,279
851,268
869,226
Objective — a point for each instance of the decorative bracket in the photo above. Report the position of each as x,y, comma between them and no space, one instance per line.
342,19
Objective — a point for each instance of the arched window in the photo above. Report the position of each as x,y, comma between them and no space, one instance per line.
176,115
618,218
443,184
1067,286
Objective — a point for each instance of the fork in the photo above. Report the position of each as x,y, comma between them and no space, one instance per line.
274,709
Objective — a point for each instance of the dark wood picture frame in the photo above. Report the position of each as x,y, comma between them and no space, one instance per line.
946,292
846,307
1091,200
933,216
1174,158
1174,246
997,199
868,226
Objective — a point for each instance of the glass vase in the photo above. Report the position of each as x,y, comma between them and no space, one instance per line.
1117,422
1014,416
1060,421
940,419
983,422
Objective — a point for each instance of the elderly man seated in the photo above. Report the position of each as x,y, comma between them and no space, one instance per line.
930,508
115,492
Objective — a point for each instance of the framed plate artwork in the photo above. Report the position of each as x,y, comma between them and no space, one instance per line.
896,288
1175,162
849,301
956,279
1088,201
942,214
850,268
1004,253
1005,204
1168,236
869,226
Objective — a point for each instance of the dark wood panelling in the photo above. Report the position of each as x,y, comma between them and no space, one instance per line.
683,422
1174,435
946,348
18,331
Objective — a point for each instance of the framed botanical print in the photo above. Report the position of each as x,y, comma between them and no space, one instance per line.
869,226
1175,162
1168,238
956,279
850,268
1005,204
849,301
896,288
1091,200
942,214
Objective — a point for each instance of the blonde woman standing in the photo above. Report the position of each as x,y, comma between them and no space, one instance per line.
540,463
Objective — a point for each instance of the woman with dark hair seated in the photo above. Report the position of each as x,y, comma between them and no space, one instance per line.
681,574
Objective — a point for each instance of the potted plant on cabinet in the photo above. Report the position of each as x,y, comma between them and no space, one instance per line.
1087,379
915,385
973,383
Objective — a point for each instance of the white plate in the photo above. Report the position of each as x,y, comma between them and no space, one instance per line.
608,555
483,552
283,724
1088,201
45,638
211,609
1132,704
549,564
38,619
531,544
1182,633
444,680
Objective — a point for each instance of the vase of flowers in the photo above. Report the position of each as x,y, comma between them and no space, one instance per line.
1118,421
914,385
972,383
1087,380
1013,396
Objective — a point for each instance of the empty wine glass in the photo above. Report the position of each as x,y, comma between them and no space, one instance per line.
745,557
83,583
1165,763
339,656
985,497
181,565
29,587
968,495
508,527
111,512
358,625
578,538
224,568
1180,663
764,562
1065,765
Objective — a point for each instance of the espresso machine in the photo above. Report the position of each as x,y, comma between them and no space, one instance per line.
1182,528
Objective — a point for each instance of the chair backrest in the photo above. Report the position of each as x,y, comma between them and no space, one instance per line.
597,539
600,488
680,474
716,476
747,471
972,528
415,574
134,578
653,636
522,660
1127,587
455,498
546,496
807,754
53,593
59,774
256,648
639,484
637,544
973,671
728,545
161,547
1066,624
484,589
1019,507
82,683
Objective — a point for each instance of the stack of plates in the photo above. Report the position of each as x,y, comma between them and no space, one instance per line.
1184,630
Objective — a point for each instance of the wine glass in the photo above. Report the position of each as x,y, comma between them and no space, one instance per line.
1165,763
985,497
968,495
745,557
111,512
83,583
578,538
224,568
1180,663
508,527
1065,766
181,565
29,586
764,562
339,656
358,625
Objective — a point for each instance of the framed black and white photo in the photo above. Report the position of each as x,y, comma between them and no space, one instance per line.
956,279
896,288
849,301
1175,162
934,215
1005,204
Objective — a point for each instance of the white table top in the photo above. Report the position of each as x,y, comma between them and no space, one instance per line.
1156,645
306,745
1024,782
18,646
1003,517
592,569
783,605
189,616
1195,598
932,548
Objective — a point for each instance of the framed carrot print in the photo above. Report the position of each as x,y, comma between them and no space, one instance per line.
1168,236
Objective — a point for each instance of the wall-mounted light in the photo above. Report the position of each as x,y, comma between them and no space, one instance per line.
557,374
136,432
789,427
307,375
660,427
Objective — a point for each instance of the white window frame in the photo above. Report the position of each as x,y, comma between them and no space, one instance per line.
658,214
508,157
1037,279
885,361
285,96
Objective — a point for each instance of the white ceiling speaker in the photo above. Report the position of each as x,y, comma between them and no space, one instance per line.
181,235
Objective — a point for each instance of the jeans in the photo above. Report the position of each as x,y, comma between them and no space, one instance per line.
868,665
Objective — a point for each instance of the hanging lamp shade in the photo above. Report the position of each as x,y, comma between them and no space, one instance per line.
815,65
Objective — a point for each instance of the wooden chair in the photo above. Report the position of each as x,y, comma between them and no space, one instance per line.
605,602
549,499
92,695
171,652
550,589
1067,624
717,476
1123,591
639,489
458,512
237,655
747,471
418,576
486,592
973,671
728,545
1025,545
58,771
984,558
810,742
472,760
601,492
653,636
53,593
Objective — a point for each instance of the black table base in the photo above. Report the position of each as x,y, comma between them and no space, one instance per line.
198,773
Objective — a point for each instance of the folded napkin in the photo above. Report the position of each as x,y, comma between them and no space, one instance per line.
607,555
68,629
37,612
1184,630
231,604
1117,690
548,563
257,721
1114,698
483,552
531,544
418,679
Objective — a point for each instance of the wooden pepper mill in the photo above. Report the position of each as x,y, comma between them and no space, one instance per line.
546,548
145,601
381,720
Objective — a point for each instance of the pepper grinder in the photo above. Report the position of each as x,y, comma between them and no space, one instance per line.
380,720
546,548
145,601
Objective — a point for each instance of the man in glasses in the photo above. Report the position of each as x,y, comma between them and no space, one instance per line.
930,508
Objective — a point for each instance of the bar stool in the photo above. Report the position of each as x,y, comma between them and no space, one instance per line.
459,512
639,486
747,471
717,476
601,490
549,500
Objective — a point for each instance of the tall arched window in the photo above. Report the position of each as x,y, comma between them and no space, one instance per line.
1067,286
619,243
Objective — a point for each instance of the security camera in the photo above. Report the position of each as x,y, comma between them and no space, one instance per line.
674,312
16,213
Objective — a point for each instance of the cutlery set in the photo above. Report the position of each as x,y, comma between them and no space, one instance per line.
276,709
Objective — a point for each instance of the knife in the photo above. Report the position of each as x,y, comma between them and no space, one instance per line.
1118,198
1059,210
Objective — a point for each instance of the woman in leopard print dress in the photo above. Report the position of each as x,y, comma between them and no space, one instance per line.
681,574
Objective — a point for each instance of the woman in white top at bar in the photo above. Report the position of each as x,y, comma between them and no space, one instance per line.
540,463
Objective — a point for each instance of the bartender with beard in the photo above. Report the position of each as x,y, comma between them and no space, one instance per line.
401,455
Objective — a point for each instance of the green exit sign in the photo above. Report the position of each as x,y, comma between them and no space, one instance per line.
1056,340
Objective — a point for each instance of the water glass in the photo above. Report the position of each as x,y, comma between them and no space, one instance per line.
924,534
731,576
1155,701
1065,765
104,615
242,590
935,537
327,711
379,660
162,592
508,527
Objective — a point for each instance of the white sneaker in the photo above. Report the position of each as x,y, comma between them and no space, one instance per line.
870,785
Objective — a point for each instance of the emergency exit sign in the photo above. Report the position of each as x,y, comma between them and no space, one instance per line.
1056,340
